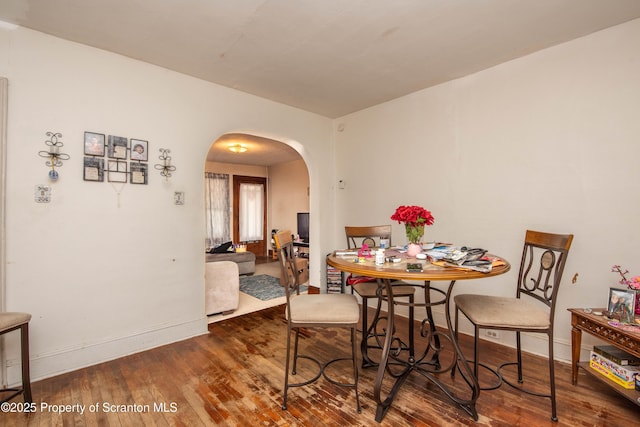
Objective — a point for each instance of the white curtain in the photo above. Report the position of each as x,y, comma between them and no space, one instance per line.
251,212
216,198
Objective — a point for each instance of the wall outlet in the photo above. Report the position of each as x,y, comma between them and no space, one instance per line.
491,333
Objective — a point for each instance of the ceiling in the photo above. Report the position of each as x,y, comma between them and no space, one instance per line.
330,57
260,151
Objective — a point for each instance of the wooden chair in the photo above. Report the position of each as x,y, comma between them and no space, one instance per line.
314,311
11,321
543,260
367,288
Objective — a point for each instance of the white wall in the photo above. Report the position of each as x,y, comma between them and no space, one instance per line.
101,278
547,142
289,186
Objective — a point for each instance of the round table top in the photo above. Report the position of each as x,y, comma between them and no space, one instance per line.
398,270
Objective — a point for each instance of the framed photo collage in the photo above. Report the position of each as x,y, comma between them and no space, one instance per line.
118,150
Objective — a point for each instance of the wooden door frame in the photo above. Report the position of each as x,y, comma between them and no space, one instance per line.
259,249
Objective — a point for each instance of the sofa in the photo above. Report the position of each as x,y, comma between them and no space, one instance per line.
246,261
222,287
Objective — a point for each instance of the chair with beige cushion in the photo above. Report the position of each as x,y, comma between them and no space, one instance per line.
532,310
12,321
314,311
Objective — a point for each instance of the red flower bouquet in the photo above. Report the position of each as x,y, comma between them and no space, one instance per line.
414,219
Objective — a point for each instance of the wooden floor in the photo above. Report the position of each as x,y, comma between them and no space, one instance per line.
233,377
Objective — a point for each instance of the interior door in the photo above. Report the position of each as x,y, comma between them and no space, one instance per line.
250,209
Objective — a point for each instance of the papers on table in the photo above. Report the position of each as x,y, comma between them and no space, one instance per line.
346,253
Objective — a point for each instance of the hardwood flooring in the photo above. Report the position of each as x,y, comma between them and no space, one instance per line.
233,376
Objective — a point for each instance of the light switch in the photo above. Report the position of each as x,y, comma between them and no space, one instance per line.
42,194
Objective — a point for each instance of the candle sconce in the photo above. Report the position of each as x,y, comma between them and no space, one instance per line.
53,155
165,168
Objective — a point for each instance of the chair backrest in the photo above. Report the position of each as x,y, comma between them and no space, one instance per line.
288,268
543,260
370,235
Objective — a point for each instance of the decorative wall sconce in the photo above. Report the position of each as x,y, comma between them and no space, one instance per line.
53,155
165,168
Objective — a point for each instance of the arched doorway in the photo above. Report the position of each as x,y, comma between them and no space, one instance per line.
286,177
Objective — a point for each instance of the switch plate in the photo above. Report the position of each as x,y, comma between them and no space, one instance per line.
42,194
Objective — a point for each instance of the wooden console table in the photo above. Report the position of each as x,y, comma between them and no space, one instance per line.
599,327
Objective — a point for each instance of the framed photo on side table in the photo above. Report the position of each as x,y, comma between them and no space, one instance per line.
622,303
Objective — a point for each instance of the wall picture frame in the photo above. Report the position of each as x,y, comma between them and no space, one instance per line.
622,304
93,169
94,144
139,150
117,147
139,173
117,171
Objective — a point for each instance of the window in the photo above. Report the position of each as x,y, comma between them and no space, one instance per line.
216,198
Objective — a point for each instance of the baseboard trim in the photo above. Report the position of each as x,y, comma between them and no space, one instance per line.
55,363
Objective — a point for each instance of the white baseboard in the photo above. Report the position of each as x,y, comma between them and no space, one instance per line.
55,363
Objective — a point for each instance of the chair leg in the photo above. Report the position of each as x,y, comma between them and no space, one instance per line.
286,370
354,355
295,352
26,378
519,355
552,380
365,316
364,344
476,349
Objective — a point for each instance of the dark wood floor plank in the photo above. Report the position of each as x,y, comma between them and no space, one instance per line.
234,375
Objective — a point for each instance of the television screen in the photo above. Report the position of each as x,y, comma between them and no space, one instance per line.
303,226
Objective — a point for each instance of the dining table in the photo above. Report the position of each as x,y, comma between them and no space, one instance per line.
440,356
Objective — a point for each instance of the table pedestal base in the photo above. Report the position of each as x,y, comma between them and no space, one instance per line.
429,363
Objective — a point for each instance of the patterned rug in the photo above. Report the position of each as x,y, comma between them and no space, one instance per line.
263,287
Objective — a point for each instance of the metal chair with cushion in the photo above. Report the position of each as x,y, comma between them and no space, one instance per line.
543,260
314,311
367,288
12,321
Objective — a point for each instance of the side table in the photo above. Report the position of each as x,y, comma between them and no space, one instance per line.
599,327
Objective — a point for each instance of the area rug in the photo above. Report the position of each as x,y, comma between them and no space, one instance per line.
263,287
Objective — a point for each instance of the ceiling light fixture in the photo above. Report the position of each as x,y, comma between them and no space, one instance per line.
237,148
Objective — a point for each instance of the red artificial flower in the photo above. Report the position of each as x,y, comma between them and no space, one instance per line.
413,216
